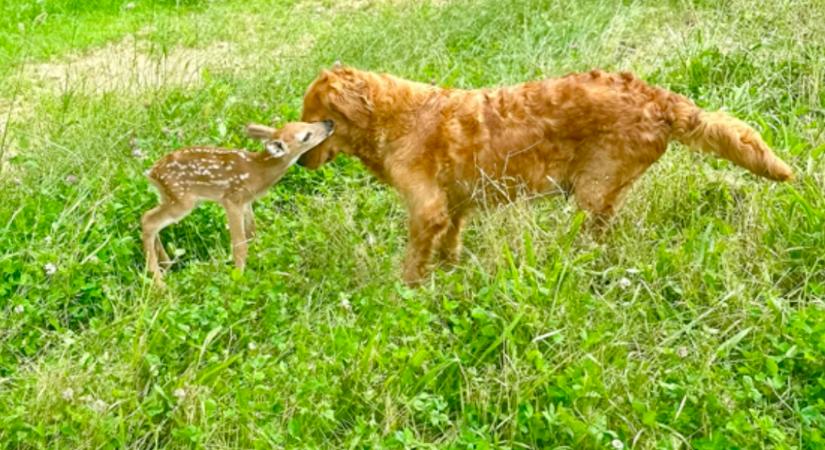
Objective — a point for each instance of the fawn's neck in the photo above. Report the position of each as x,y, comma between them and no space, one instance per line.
272,168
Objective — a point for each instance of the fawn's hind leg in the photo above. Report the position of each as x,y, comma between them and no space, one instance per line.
152,223
163,257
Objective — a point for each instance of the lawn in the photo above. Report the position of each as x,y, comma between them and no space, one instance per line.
698,321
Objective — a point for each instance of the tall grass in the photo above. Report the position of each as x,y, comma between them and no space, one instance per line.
697,322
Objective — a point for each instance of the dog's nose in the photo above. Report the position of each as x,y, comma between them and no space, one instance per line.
329,125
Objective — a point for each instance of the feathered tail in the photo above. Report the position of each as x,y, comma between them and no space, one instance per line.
726,137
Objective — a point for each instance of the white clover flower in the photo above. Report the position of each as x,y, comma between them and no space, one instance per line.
19,309
252,345
617,444
137,153
129,6
346,304
99,406
67,394
682,352
624,283
71,179
50,269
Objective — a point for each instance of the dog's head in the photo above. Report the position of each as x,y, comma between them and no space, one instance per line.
342,96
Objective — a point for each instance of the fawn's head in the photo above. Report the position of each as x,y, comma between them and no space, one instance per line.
293,139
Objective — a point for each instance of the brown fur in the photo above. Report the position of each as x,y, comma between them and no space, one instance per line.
447,150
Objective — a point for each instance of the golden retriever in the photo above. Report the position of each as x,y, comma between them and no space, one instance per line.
445,150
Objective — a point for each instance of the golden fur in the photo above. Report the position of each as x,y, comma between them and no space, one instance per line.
446,150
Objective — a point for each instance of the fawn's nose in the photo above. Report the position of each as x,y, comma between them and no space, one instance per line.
329,125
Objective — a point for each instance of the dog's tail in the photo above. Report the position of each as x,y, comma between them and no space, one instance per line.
724,136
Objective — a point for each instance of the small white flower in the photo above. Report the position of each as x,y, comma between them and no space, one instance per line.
346,304
180,394
137,153
99,406
617,444
370,239
252,346
50,269
71,179
624,283
47,240
67,394
130,5
19,309
682,352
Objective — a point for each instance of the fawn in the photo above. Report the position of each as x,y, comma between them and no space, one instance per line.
234,178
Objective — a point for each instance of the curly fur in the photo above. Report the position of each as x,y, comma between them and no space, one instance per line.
447,150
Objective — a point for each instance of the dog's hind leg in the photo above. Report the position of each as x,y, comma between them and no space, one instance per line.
600,187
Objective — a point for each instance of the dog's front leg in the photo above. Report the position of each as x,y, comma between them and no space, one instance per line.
449,247
428,220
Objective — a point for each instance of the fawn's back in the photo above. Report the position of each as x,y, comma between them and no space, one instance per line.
215,173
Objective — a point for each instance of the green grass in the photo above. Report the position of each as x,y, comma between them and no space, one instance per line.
698,322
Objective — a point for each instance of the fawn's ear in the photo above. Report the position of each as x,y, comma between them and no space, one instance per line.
256,131
276,148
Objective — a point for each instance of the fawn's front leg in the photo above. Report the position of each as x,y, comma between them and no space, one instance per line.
249,221
235,216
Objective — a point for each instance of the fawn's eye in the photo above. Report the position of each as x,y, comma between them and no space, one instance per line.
306,137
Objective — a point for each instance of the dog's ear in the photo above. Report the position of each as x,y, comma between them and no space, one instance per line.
324,76
351,101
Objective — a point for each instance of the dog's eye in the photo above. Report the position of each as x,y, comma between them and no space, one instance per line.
306,137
